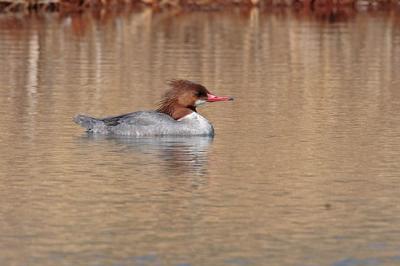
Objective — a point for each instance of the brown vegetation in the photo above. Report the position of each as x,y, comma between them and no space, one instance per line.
79,5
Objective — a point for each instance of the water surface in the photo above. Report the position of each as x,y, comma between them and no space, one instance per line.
303,170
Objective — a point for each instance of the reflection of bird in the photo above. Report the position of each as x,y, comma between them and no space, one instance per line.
179,155
176,115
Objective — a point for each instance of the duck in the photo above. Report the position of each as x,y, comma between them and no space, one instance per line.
176,115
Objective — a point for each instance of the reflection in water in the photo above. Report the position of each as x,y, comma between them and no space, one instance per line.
303,170
179,155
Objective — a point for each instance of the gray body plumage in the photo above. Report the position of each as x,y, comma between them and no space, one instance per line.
147,123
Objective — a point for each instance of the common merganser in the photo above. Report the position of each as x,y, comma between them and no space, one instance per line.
176,115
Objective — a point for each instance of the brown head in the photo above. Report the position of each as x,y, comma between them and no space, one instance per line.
184,96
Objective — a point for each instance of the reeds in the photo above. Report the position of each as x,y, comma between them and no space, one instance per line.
78,5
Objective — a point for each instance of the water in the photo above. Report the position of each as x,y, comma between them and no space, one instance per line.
303,170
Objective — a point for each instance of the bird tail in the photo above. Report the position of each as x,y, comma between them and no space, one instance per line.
87,122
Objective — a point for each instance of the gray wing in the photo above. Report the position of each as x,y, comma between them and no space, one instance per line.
141,118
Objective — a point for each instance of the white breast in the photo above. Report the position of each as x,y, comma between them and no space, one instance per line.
198,123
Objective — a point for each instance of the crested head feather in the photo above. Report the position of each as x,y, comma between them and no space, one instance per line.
169,101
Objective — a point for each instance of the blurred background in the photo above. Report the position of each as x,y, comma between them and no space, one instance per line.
303,170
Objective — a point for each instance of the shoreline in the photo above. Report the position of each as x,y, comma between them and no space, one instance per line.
66,6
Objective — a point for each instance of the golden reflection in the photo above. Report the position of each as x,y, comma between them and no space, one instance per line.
305,159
